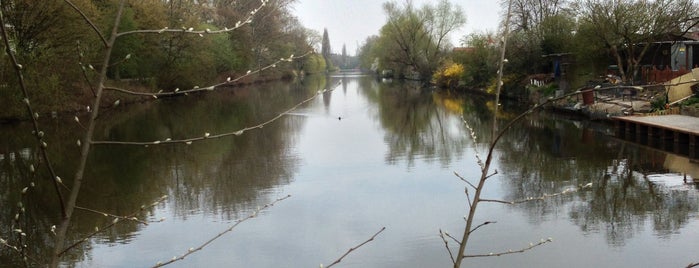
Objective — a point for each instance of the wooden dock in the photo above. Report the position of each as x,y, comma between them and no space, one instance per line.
673,133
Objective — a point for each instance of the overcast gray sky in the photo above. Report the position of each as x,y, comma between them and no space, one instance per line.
352,21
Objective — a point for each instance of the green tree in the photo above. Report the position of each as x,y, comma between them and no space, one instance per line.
326,50
366,54
627,28
479,59
414,41
314,64
344,56
538,27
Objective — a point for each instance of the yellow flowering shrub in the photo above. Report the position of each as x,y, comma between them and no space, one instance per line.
448,75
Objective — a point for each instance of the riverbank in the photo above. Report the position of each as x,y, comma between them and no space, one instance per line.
79,102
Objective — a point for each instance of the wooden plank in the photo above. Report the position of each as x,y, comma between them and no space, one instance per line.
681,123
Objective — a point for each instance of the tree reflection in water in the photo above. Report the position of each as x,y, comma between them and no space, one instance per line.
421,129
547,155
218,177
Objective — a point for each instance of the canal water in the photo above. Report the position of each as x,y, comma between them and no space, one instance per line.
364,155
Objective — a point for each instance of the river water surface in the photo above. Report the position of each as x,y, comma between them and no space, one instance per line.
362,156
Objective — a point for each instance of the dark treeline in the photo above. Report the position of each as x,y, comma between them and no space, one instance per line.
60,51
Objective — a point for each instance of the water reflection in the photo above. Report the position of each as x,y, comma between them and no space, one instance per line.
546,155
388,162
217,177
415,124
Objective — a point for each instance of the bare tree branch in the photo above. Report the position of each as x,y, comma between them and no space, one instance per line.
356,247
193,250
465,180
82,68
211,87
92,25
482,224
446,244
693,265
530,247
34,116
17,249
540,198
239,24
491,175
213,136
87,139
117,219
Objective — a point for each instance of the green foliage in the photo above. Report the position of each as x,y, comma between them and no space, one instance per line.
413,42
627,28
693,101
448,75
479,60
545,90
658,104
557,34
46,34
511,85
314,64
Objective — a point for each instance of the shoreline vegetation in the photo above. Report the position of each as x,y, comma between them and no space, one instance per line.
555,53
605,105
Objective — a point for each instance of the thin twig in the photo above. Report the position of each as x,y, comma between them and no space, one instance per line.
117,219
452,237
540,198
4,243
468,196
82,69
530,247
211,87
34,116
128,218
208,136
491,175
355,248
481,225
191,251
693,265
465,180
239,24
474,137
92,25
446,245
